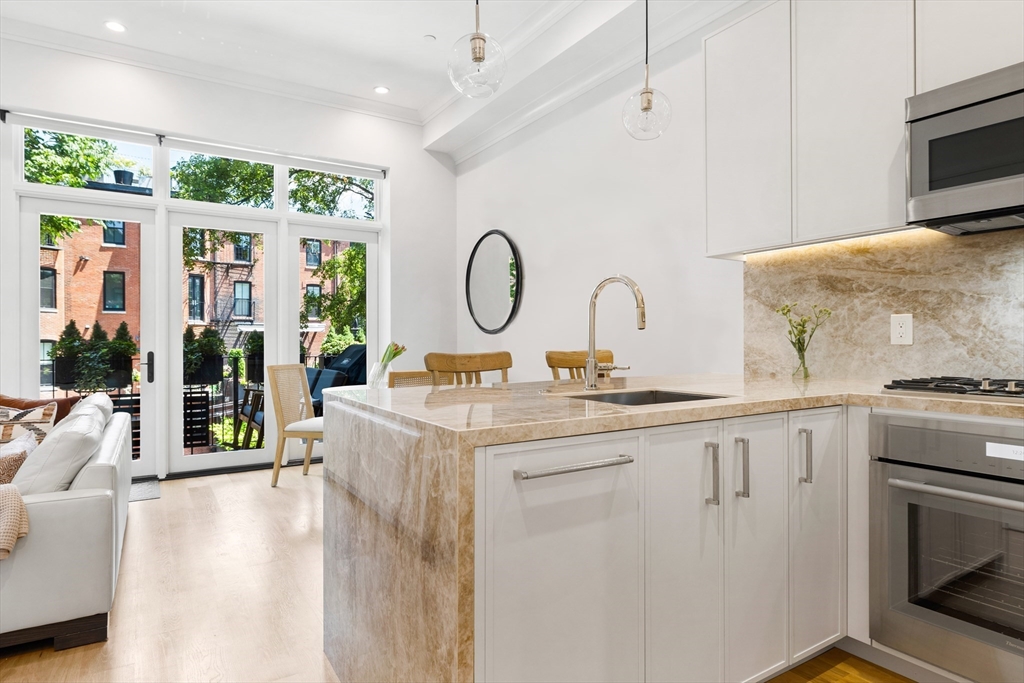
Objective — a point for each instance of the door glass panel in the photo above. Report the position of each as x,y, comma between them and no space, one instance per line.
332,313
222,341
976,155
90,313
221,180
93,163
968,568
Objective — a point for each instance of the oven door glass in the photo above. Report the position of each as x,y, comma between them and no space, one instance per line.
957,563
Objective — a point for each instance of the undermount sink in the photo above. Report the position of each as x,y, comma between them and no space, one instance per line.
643,398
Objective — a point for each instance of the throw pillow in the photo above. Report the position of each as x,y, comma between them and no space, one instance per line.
98,400
17,421
64,405
13,454
55,463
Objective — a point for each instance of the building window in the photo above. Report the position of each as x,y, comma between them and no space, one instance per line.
47,288
113,233
46,240
313,301
196,297
243,299
313,253
243,248
45,363
113,291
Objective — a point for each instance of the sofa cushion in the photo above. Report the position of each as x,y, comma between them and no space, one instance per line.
55,463
98,400
17,421
64,405
13,454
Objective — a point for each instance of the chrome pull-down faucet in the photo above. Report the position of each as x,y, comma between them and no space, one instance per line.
641,322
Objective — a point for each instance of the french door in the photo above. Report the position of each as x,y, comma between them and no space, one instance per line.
222,304
102,271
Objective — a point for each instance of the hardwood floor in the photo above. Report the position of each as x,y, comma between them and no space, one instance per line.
837,666
221,580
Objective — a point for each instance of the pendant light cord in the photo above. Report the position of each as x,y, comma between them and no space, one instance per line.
647,30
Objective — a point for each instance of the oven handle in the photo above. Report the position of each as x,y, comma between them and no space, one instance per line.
979,498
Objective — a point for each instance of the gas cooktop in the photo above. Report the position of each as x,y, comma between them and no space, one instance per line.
991,389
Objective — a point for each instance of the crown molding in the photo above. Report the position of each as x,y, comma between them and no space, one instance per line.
41,36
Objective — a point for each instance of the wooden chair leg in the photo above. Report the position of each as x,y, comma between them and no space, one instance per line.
277,460
309,454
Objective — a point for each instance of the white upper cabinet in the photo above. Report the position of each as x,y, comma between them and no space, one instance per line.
747,109
817,538
959,39
853,68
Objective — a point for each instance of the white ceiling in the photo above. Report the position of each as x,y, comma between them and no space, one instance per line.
340,47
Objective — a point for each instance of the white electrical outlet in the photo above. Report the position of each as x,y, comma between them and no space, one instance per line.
901,328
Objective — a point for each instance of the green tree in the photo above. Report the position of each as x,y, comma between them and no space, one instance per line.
198,243
321,193
64,159
205,178
346,304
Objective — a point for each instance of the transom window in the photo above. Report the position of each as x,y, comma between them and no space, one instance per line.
113,232
47,288
113,291
243,300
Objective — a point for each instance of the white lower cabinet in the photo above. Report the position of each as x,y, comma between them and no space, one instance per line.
817,540
684,553
627,559
564,587
756,550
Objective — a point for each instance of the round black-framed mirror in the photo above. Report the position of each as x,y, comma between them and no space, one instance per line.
494,282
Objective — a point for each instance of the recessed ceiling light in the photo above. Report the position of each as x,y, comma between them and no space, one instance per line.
115,26
429,38
382,90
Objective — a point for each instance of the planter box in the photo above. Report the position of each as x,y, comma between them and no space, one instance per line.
120,373
211,371
64,372
254,368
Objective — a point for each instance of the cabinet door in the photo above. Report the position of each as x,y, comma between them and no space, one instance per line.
684,548
853,68
747,126
756,548
817,535
563,580
958,39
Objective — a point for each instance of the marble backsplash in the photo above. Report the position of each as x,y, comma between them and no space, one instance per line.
966,295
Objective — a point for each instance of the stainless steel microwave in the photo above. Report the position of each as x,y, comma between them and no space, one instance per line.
965,154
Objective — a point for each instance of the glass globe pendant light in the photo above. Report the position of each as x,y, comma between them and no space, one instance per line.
647,113
476,63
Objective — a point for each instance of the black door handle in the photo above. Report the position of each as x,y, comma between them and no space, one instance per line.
149,367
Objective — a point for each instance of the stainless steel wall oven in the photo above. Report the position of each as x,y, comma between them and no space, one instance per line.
947,543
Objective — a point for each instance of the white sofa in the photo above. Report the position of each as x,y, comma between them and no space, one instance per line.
59,580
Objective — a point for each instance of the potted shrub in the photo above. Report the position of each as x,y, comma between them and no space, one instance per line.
92,367
253,349
203,356
64,355
334,343
123,176
121,351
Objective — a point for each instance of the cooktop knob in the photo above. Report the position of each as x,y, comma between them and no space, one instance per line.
1012,386
986,385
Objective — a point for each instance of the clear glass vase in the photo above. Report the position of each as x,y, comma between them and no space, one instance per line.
801,371
378,377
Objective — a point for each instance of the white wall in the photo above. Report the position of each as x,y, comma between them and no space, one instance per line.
583,200
41,80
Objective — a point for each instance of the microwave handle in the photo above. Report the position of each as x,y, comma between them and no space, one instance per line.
979,498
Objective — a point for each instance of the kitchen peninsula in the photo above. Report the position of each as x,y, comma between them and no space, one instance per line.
691,539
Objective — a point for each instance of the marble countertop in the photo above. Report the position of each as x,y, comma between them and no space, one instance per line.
527,411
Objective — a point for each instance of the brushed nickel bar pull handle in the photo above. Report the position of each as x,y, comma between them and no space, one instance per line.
745,493
809,442
566,469
715,485
966,496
